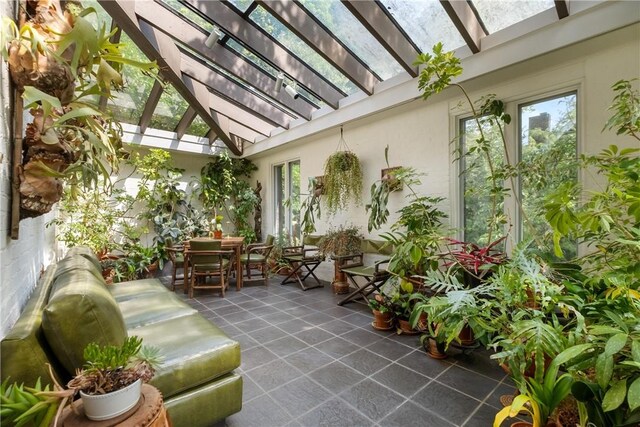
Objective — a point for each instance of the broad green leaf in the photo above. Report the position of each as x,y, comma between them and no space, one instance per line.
78,112
604,370
571,353
633,395
614,397
635,350
615,344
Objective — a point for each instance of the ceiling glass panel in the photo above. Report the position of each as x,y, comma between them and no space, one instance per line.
299,48
198,127
170,109
499,14
243,5
127,105
188,13
337,18
425,22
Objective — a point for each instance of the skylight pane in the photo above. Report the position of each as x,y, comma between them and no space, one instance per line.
243,5
299,48
425,22
499,14
198,127
127,105
337,18
189,14
169,111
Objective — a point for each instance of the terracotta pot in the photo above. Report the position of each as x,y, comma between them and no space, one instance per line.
466,336
382,321
152,269
217,234
521,424
435,349
405,327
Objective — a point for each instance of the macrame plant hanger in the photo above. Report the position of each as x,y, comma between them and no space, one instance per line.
342,144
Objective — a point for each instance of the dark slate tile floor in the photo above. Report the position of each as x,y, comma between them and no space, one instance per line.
308,362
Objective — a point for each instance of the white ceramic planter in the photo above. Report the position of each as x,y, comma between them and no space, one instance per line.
105,406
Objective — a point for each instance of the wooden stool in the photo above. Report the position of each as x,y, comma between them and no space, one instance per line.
148,412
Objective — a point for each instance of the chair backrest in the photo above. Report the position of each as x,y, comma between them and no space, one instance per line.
205,245
311,240
269,240
381,247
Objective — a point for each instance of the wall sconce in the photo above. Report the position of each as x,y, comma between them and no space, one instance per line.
291,90
279,81
213,37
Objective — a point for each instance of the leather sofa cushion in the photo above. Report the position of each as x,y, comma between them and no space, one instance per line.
151,308
80,311
86,253
24,349
194,352
124,291
68,264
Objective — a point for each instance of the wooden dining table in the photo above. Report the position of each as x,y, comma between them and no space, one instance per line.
226,243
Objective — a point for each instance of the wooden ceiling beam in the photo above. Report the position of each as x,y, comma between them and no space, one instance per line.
220,84
248,33
240,115
303,24
385,31
185,122
466,21
562,8
150,106
167,22
159,47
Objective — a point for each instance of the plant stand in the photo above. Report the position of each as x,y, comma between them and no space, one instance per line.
339,284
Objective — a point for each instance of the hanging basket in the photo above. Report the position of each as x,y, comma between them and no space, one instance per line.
342,178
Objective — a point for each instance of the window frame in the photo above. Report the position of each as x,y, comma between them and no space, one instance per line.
277,205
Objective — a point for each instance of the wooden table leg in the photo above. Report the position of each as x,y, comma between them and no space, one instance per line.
238,269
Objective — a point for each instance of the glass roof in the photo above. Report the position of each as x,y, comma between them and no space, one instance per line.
242,5
338,20
198,127
425,22
189,14
499,14
169,111
288,39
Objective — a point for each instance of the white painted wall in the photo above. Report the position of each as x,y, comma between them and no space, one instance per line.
419,132
21,261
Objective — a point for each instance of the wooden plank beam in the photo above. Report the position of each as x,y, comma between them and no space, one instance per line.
295,18
158,46
221,84
167,22
465,21
249,34
185,121
378,23
240,115
150,106
562,8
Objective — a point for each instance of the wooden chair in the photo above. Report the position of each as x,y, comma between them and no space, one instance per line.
303,260
176,256
206,259
366,279
255,257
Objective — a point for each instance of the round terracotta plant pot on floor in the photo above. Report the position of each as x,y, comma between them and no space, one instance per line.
340,288
405,327
382,321
435,349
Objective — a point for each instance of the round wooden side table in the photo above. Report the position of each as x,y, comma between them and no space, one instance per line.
148,412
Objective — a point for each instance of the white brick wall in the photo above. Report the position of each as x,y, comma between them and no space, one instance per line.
21,261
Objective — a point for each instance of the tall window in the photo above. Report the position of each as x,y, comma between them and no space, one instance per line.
548,153
287,199
546,147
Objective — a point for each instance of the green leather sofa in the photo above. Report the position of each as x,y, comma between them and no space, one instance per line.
73,306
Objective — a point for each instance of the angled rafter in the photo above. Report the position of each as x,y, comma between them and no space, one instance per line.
221,84
163,19
150,106
185,121
378,23
239,114
324,43
562,8
245,31
158,46
466,22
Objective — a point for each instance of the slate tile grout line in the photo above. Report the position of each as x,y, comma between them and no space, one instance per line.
470,417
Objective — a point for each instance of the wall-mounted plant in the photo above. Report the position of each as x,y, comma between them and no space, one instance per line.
318,187
388,175
310,207
60,64
342,178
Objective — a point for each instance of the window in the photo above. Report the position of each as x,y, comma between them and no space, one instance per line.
548,154
286,180
546,147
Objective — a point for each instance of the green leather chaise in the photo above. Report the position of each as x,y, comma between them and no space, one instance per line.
73,306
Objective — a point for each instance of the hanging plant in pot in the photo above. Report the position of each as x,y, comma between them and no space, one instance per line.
110,383
342,178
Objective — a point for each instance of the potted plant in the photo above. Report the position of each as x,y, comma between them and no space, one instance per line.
341,244
393,180
382,315
111,380
217,227
342,180
474,262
